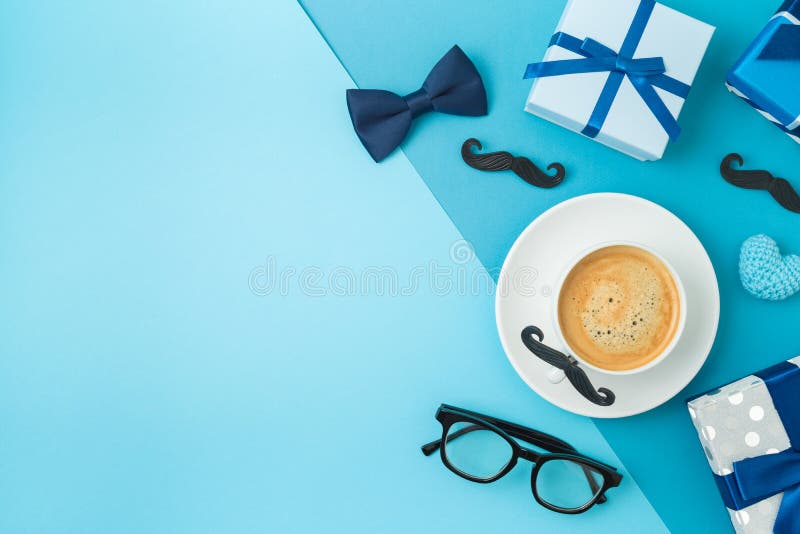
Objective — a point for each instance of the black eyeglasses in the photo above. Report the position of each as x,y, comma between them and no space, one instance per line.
483,449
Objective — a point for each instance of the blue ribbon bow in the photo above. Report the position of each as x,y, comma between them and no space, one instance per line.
382,118
643,73
755,479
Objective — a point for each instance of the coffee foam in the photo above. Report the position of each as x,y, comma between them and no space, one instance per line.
619,308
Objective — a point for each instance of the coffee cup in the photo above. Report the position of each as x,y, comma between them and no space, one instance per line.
619,308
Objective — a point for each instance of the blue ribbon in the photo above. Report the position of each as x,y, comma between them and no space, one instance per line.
755,479
644,73
790,6
784,44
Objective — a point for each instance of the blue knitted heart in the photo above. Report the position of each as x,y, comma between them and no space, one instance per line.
765,273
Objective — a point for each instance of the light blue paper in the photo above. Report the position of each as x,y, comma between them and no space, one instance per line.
157,158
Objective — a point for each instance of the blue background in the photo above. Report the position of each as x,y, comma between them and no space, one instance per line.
157,158
392,45
154,156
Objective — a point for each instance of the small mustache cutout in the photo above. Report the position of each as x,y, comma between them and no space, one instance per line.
504,161
532,338
780,189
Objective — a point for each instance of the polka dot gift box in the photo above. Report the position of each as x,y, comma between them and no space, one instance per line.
750,433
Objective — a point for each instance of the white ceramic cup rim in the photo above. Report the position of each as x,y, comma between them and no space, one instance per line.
681,319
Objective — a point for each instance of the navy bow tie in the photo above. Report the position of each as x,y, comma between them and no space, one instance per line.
382,118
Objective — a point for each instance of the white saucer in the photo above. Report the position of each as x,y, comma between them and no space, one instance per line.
538,258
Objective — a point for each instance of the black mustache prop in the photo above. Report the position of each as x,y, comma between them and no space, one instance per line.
504,161
780,189
576,375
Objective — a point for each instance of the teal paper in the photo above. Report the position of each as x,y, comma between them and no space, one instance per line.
157,158
389,45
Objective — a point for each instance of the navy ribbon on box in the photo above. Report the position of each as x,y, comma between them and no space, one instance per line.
785,42
792,7
644,73
755,479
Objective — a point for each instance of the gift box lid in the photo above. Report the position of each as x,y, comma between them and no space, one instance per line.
768,73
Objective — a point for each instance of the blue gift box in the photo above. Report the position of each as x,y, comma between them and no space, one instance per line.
768,74
750,433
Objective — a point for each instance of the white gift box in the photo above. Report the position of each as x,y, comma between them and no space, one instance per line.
630,126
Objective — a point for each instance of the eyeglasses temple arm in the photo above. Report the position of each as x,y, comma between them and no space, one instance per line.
430,448
534,437
433,446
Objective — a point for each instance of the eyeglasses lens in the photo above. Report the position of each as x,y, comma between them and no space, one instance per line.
567,484
476,450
